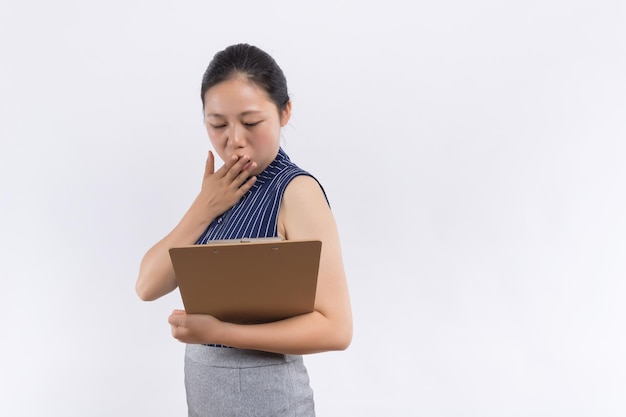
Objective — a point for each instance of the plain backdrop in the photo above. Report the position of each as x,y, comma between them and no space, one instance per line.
473,153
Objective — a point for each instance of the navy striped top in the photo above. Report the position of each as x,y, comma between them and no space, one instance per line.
255,215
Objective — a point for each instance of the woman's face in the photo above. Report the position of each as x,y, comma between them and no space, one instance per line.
241,120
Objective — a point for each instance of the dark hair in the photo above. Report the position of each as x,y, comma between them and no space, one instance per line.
252,63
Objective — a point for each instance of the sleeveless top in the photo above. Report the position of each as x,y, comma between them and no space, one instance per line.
255,215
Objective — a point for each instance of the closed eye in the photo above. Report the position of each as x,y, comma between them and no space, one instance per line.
218,126
252,124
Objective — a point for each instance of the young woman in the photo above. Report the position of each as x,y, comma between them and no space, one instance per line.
252,370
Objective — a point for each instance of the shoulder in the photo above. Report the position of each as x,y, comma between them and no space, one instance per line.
304,211
305,188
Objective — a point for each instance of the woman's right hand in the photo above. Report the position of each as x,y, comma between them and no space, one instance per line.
223,188
220,191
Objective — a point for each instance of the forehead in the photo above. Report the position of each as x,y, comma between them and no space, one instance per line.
235,96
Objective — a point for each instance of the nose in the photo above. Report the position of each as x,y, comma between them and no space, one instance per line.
236,136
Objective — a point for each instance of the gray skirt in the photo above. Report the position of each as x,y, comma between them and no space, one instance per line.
245,383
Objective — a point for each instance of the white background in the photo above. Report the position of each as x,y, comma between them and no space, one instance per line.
473,152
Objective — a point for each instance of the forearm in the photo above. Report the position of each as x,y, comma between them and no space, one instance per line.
220,190
308,333
156,274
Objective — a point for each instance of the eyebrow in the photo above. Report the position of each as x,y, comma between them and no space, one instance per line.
245,113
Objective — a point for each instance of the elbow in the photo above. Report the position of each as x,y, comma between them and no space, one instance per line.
153,284
150,291
143,292
341,344
345,341
342,338
338,333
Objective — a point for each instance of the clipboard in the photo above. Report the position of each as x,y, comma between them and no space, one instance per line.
248,281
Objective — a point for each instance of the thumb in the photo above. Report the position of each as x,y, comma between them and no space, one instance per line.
209,168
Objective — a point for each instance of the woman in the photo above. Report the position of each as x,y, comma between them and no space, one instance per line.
246,370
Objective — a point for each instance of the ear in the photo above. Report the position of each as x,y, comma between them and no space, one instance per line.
285,115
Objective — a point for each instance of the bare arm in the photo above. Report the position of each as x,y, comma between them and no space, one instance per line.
304,214
220,191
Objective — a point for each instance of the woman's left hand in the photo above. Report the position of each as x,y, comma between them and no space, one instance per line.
193,328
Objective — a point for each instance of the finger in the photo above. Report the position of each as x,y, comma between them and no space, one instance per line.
245,174
176,319
176,311
178,332
209,168
240,168
246,185
228,166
